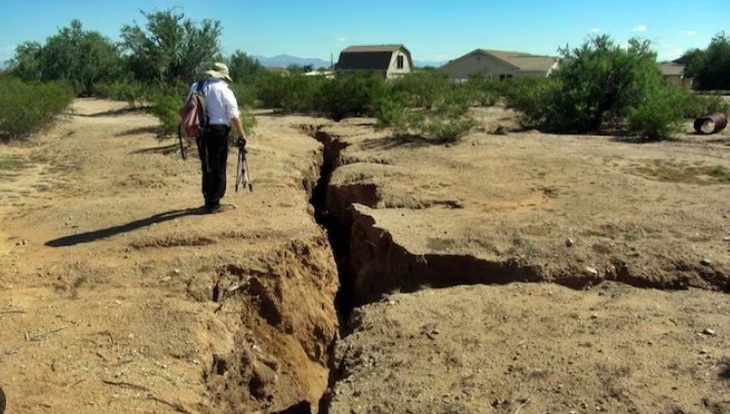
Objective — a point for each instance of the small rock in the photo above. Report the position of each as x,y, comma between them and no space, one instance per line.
726,238
706,262
703,352
592,271
569,242
708,332
500,130
176,271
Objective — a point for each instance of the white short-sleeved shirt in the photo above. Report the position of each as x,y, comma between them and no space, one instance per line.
220,101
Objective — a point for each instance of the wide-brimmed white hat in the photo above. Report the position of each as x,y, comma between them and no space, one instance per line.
219,71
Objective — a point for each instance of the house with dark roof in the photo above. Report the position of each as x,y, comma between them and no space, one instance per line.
500,64
390,61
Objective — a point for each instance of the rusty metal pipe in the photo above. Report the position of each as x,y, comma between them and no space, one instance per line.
711,124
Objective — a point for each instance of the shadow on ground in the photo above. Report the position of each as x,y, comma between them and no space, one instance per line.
164,150
152,130
393,142
92,236
116,112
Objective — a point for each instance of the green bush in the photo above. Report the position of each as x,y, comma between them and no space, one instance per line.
602,84
659,114
443,129
295,93
532,97
703,105
29,107
483,90
133,92
710,67
446,123
166,107
393,112
423,89
245,94
350,95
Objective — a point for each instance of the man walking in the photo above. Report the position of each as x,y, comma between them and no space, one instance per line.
222,110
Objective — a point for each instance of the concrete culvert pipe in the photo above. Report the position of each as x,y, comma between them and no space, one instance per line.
711,124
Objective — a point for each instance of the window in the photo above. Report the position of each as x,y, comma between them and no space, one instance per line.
400,62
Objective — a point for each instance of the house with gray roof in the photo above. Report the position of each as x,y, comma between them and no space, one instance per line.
500,64
390,61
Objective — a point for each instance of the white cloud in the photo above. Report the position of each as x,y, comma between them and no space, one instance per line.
595,30
640,28
688,32
341,39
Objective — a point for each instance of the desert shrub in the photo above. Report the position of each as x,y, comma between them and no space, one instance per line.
423,89
482,90
660,113
245,94
350,95
133,92
295,93
702,105
601,84
710,67
532,97
443,129
166,107
447,122
392,111
29,107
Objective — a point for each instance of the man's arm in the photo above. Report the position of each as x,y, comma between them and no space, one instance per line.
238,125
234,113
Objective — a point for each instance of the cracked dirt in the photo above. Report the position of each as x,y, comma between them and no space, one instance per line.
117,296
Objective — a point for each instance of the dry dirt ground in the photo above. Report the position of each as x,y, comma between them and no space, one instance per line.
117,296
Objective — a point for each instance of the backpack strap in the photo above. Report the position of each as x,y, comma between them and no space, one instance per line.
199,89
200,86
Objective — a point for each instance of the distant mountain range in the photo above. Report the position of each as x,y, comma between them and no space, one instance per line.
286,60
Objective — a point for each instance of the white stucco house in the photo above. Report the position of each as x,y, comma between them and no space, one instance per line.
500,64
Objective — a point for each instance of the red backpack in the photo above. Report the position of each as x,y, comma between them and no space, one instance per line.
193,115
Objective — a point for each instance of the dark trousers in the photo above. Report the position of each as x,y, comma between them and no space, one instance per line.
213,152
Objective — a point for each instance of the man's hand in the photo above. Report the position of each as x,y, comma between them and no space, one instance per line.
241,143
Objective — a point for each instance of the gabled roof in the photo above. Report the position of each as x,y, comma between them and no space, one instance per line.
372,48
369,57
521,61
524,61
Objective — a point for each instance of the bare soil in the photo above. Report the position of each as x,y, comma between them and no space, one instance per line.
117,295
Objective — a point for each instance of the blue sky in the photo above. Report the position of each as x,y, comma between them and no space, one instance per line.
433,30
